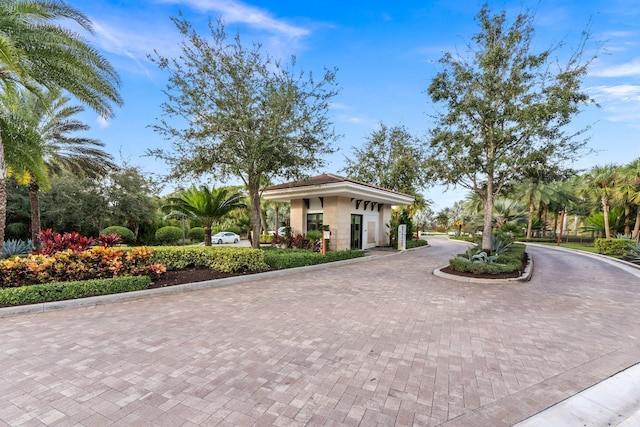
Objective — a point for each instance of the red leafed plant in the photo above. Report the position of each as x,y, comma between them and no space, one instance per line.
109,240
53,242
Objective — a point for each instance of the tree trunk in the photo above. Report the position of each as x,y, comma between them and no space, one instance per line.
545,214
35,214
605,212
636,228
487,230
256,212
207,235
532,207
627,219
276,209
3,195
555,224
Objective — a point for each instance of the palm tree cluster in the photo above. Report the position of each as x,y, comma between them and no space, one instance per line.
40,59
606,198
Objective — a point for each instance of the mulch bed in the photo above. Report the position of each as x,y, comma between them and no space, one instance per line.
191,275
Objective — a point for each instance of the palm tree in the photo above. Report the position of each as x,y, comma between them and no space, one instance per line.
601,182
629,194
207,205
52,120
35,50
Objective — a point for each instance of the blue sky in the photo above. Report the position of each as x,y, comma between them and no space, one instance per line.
386,54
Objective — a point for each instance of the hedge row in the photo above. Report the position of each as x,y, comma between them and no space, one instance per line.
288,258
612,247
48,292
507,262
416,243
225,259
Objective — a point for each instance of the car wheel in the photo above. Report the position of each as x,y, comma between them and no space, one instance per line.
235,240
219,241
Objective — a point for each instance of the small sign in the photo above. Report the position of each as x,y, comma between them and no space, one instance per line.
326,234
402,237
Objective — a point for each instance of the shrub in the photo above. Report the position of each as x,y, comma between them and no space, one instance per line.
632,253
16,247
416,243
612,247
476,261
109,240
288,258
68,290
98,262
53,242
266,238
169,234
196,234
126,234
225,259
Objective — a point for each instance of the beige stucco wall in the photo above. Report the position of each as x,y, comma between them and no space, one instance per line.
298,216
383,231
337,215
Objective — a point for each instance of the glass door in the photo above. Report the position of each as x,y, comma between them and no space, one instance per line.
356,231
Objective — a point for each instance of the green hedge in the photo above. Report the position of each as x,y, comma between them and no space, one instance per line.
507,262
225,259
266,238
413,243
612,247
196,234
169,234
59,291
289,258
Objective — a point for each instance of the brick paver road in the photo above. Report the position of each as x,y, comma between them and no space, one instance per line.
380,342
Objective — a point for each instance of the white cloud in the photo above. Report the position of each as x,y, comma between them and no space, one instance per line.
233,11
615,94
102,122
622,70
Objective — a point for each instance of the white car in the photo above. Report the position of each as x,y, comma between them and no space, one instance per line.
225,237
281,231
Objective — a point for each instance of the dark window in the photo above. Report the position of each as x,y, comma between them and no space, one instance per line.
314,221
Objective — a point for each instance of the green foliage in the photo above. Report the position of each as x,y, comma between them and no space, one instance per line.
416,243
266,238
224,259
290,258
504,108
169,234
126,234
98,262
16,247
34,294
392,158
597,224
196,234
264,119
632,253
314,235
500,243
476,261
612,247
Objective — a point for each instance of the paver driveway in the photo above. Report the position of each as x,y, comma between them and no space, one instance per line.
377,342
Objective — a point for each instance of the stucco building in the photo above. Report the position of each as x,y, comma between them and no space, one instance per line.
357,213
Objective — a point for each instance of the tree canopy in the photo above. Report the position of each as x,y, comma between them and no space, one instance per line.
505,107
392,158
232,111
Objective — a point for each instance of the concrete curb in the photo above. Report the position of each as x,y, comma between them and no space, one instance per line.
525,277
622,264
169,290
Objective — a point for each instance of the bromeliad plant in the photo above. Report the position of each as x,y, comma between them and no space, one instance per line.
633,253
53,242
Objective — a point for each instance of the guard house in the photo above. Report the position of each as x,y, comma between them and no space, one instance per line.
357,213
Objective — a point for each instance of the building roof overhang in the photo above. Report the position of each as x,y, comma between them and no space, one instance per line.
328,185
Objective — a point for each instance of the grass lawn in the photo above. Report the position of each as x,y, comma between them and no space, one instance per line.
587,247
